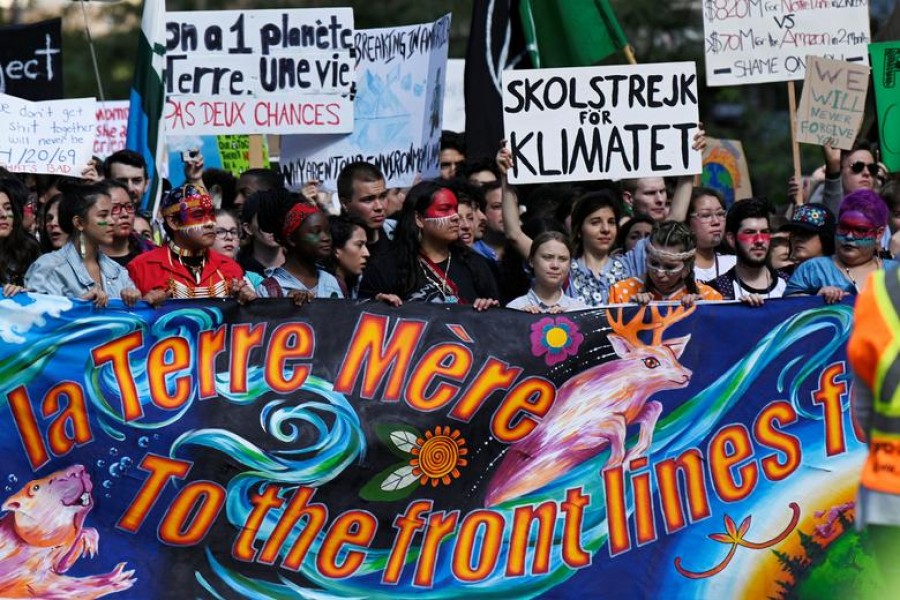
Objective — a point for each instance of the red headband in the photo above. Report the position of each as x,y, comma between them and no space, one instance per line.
295,218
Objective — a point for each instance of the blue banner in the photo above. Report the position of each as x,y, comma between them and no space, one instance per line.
340,450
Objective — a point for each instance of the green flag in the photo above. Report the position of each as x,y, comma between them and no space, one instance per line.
885,58
570,33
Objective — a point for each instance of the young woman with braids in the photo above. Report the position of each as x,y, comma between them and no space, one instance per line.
670,271
79,269
428,263
302,230
18,250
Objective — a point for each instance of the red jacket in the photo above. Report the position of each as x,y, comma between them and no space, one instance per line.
160,270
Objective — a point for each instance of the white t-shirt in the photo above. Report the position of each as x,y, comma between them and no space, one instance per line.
722,264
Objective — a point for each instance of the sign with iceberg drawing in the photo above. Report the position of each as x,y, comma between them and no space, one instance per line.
345,451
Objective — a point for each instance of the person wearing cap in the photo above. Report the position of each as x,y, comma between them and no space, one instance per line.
862,219
187,267
812,232
303,230
260,252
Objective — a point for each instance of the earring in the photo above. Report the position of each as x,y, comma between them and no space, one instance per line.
82,246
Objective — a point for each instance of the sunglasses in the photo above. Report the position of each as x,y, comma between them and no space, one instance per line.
859,165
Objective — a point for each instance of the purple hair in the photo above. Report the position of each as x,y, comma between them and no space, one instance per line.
867,203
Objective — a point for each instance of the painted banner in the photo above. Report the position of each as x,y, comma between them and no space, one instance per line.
54,136
601,122
259,71
397,123
31,60
759,41
833,102
112,127
885,72
362,451
725,169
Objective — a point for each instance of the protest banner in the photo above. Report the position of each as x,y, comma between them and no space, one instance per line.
54,136
725,169
454,113
885,68
227,152
259,71
601,122
112,127
31,60
752,41
340,450
397,123
833,102
235,153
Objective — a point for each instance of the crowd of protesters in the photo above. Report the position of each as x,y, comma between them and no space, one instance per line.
467,237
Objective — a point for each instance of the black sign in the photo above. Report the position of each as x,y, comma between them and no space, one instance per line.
31,61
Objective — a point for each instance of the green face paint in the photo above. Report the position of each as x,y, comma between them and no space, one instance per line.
103,223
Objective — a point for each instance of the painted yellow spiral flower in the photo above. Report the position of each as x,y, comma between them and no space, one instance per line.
439,456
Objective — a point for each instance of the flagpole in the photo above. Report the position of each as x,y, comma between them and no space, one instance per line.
629,54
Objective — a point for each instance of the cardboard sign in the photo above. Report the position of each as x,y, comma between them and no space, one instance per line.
757,41
56,136
886,80
725,169
400,90
601,122
31,61
834,99
234,151
288,71
112,127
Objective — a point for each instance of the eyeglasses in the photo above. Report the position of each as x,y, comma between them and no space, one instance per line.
709,216
118,209
856,232
859,165
226,233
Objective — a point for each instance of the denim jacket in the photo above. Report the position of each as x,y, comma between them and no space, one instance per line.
62,273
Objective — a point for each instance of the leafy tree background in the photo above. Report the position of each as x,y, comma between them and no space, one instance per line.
659,31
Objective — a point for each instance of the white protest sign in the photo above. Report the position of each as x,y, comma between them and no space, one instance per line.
259,71
834,99
454,114
760,41
400,87
601,122
112,127
54,136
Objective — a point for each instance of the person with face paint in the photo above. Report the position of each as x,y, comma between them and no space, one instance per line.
18,250
669,271
751,280
862,219
187,267
302,229
551,253
428,263
79,269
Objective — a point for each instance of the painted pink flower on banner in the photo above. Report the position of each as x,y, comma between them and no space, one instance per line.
555,338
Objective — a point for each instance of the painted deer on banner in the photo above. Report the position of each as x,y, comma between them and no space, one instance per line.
594,408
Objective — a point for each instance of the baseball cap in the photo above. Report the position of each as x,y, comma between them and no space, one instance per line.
812,218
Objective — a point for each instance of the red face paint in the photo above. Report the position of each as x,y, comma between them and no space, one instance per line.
751,239
856,224
443,205
197,210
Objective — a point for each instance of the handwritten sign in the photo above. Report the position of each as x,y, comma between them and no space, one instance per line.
55,136
886,81
399,102
31,61
760,41
287,71
235,153
834,99
601,122
112,127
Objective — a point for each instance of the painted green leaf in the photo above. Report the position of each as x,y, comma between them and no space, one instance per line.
399,438
375,491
